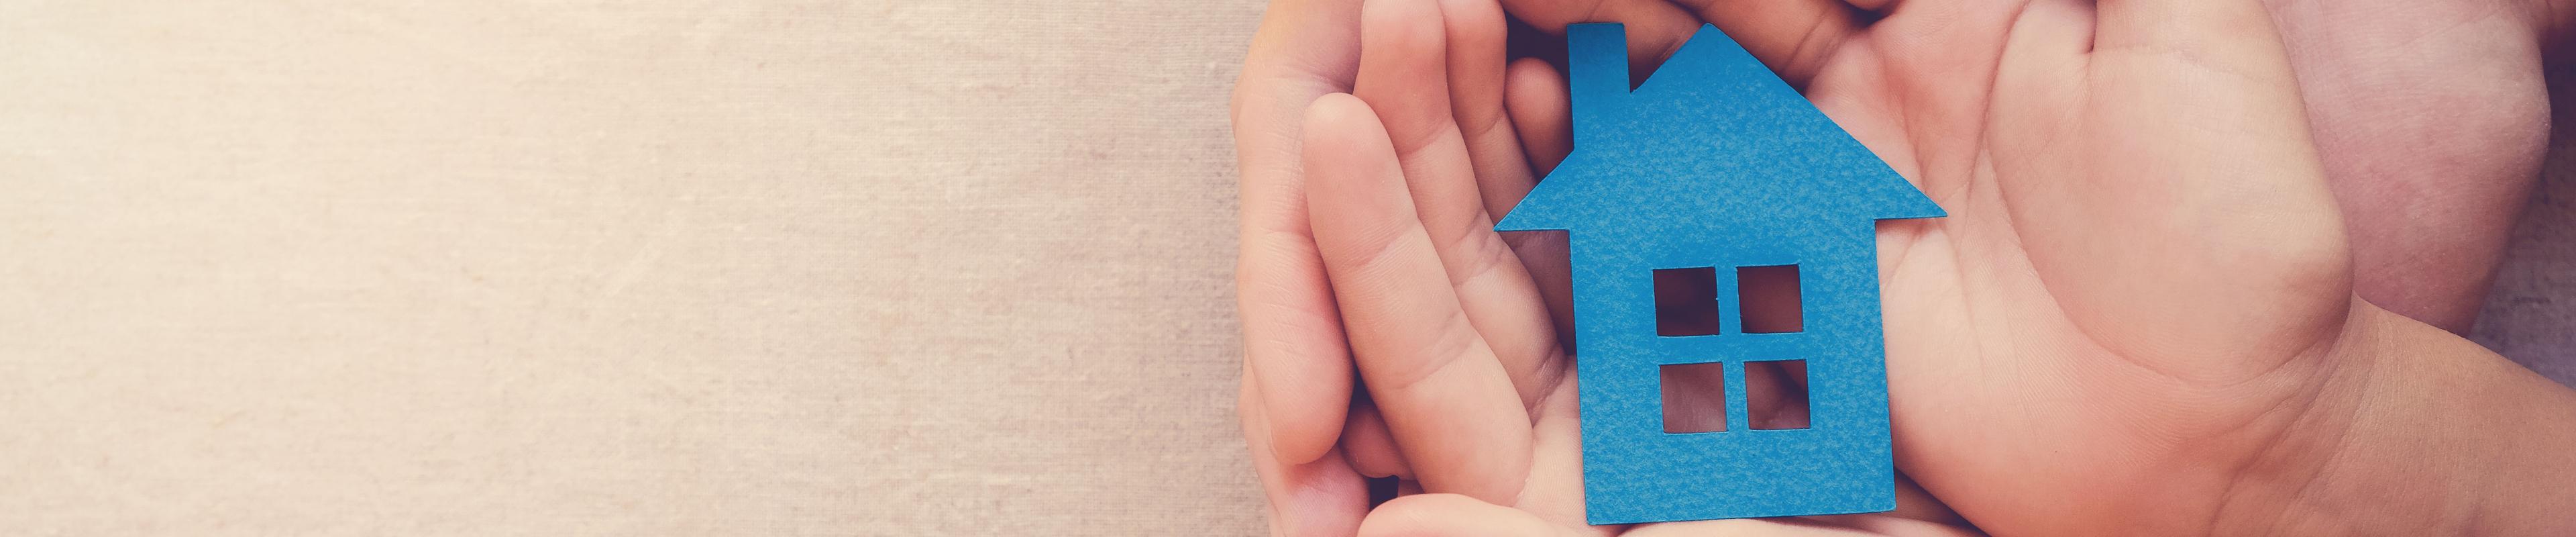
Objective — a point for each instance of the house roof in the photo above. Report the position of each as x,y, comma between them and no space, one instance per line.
1713,136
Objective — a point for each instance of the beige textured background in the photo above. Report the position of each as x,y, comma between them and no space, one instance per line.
690,268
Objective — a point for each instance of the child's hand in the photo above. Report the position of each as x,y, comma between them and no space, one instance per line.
2138,316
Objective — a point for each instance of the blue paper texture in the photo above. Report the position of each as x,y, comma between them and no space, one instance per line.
1715,162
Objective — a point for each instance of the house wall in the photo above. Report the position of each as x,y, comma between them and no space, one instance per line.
1841,463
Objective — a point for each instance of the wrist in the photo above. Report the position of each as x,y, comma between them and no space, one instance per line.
2415,431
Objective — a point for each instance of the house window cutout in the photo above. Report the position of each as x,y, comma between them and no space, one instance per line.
1775,393
1686,302
1694,397
1770,298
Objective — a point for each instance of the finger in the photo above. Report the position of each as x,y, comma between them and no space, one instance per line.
1319,498
1534,97
1453,411
1793,37
1368,445
1541,113
1477,56
1431,515
1402,76
1293,344
1655,28
1293,350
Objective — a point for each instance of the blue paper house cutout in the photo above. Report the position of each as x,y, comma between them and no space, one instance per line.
1714,163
